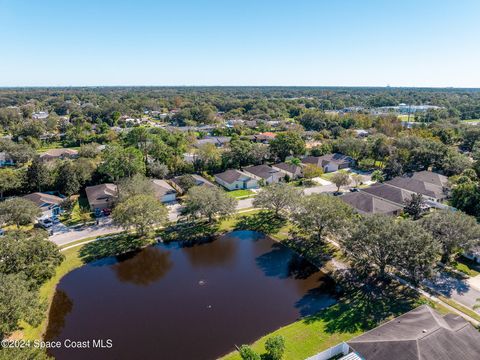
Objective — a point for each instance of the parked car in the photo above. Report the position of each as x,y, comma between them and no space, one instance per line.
107,212
354,190
45,223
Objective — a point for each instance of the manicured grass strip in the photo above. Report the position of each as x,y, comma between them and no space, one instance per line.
241,193
464,309
302,338
466,266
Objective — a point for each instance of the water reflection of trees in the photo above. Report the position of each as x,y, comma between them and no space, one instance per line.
144,267
214,253
61,306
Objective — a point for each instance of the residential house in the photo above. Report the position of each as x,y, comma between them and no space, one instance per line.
236,179
389,193
266,173
6,159
365,203
263,138
431,178
164,192
49,204
54,154
293,171
420,334
101,196
199,181
329,162
429,191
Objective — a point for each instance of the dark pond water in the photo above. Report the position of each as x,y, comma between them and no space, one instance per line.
185,302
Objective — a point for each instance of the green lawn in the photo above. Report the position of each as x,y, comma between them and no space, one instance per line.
303,338
54,145
471,120
354,314
75,217
241,193
466,266
328,176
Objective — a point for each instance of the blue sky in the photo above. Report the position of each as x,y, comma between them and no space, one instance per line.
240,42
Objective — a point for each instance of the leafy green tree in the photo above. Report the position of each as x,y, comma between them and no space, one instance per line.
466,197
142,212
186,182
380,243
158,170
209,202
378,176
454,230
67,179
19,211
208,157
340,179
10,179
136,185
38,175
277,197
247,353
31,254
311,171
17,302
287,144
275,347
415,206
318,215
372,246
119,162
90,151
418,252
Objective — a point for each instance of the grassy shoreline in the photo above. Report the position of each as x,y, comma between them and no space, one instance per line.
304,337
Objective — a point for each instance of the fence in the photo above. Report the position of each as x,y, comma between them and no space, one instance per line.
342,348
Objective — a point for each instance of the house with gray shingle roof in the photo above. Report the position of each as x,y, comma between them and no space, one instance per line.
266,173
235,180
420,334
292,170
329,162
365,203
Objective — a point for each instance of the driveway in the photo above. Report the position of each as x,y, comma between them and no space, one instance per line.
454,287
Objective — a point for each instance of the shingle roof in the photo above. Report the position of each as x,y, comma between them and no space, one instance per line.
418,186
326,159
161,188
431,177
199,180
99,193
291,168
367,203
230,176
262,171
420,334
390,193
40,198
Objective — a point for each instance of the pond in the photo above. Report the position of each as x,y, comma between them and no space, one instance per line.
182,301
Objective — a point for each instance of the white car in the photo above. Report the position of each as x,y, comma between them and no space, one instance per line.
45,223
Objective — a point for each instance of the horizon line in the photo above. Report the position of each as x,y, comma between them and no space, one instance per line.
237,86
